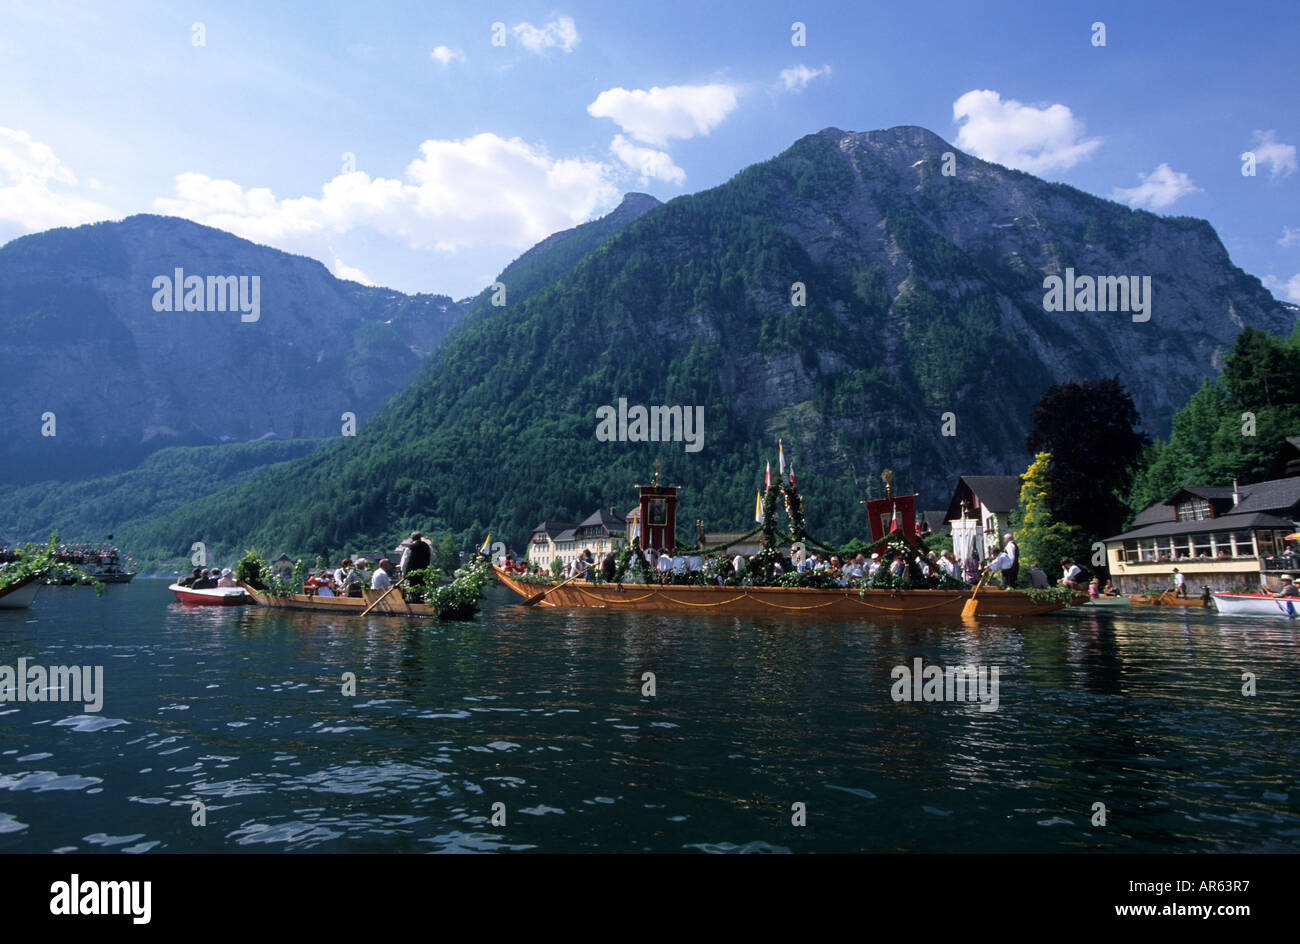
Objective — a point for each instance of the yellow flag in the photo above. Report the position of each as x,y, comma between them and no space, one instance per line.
758,507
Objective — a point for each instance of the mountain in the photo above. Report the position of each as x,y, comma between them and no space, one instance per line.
105,499
924,316
83,340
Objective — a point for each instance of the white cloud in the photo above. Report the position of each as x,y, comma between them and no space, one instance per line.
1280,158
647,162
1290,236
447,55
561,32
1287,291
676,111
796,78
478,191
32,187
1158,189
1036,140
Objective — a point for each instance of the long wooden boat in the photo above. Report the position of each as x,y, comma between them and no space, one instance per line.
786,601
213,596
391,605
20,594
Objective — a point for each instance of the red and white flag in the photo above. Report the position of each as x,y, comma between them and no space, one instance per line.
768,479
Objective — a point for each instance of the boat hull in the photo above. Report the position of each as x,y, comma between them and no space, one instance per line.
1254,604
783,601
391,605
20,594
216,596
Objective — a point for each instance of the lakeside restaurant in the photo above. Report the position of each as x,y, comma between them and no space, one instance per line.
1221,537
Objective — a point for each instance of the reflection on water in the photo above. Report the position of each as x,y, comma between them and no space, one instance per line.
243,711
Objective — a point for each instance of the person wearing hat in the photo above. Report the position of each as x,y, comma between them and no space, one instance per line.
227,578
416,554
1288,588
1180,584
189,581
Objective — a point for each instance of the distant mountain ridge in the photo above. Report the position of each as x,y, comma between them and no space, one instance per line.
81,340
922,311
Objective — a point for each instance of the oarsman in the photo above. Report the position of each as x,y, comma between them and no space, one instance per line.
1002,563
1180,584
417,554
1288,588
1012,570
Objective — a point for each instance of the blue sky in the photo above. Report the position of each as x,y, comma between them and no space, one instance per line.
465,153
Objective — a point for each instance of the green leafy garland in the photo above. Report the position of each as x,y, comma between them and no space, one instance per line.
43,560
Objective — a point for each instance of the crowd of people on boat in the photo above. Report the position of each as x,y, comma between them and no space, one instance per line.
81,555
866,569
209,578
351,576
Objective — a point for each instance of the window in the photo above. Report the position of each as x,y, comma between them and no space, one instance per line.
1194,509
1147,547
1243,546
1202,546
1130,552
1182,548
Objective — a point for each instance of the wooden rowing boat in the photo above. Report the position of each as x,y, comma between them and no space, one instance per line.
855,604
392,605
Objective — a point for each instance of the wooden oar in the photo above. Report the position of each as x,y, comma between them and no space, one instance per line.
1287,611
537,597
384,594
968,610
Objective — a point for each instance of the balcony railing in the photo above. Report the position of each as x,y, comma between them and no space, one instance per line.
1282,563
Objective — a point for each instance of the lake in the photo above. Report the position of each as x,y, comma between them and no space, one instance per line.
529,730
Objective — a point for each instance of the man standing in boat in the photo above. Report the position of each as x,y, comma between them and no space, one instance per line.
416,554
1011,571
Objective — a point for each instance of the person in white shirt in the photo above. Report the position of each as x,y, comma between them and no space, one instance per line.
875,565
1001,563
947,563
1180,584
1073,574
1011,572
341,572
694,563
738,562
665,565
382,579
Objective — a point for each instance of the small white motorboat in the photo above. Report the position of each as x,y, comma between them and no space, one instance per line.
211,596
20,594
1257,604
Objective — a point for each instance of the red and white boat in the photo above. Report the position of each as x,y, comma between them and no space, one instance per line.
214,596
1257,604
